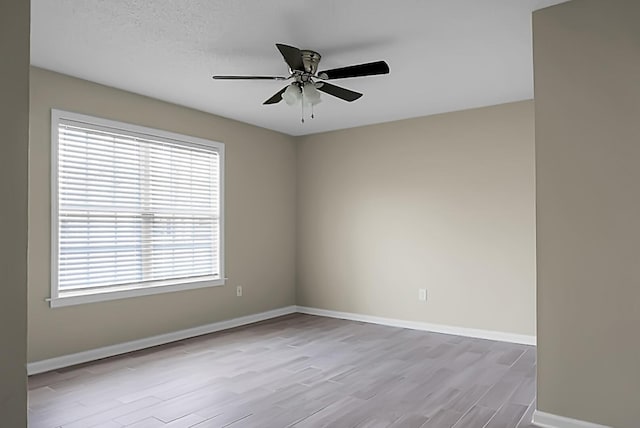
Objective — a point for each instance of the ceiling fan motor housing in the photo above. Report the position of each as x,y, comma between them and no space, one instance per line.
310,60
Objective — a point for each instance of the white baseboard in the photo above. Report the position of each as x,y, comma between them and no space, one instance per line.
135,345
548,420
416,325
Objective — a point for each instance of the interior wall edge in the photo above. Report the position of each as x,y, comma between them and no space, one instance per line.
14,166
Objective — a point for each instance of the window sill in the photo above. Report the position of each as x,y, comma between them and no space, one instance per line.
78,298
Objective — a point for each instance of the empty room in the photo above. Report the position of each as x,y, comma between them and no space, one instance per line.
418,214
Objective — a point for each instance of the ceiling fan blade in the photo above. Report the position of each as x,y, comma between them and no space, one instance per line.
337,91
360,70
249,77
277,97
292,56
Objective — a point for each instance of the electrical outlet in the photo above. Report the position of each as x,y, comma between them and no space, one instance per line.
239,291
422,294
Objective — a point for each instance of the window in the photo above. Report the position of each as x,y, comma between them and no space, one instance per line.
134,210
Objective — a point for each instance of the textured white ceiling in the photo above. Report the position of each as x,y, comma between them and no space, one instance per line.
444,55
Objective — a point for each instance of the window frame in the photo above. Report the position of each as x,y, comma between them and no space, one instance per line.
128,290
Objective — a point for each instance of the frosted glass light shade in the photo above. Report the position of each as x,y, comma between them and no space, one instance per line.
292,94
311,94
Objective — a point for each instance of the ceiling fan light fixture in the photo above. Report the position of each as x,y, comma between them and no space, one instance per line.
310,94
292,94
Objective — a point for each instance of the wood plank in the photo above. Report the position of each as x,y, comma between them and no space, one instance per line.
297,371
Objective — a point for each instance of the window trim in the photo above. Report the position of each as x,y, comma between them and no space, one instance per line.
128,290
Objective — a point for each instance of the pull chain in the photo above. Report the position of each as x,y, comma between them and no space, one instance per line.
302,104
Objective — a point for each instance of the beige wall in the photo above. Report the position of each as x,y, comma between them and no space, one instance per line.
587,89
260,214
14,150
443,202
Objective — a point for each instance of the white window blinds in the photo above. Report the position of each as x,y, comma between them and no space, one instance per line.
134,210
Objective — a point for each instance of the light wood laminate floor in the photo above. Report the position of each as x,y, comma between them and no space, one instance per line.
301,371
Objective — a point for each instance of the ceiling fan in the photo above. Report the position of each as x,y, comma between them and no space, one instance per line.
307,81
